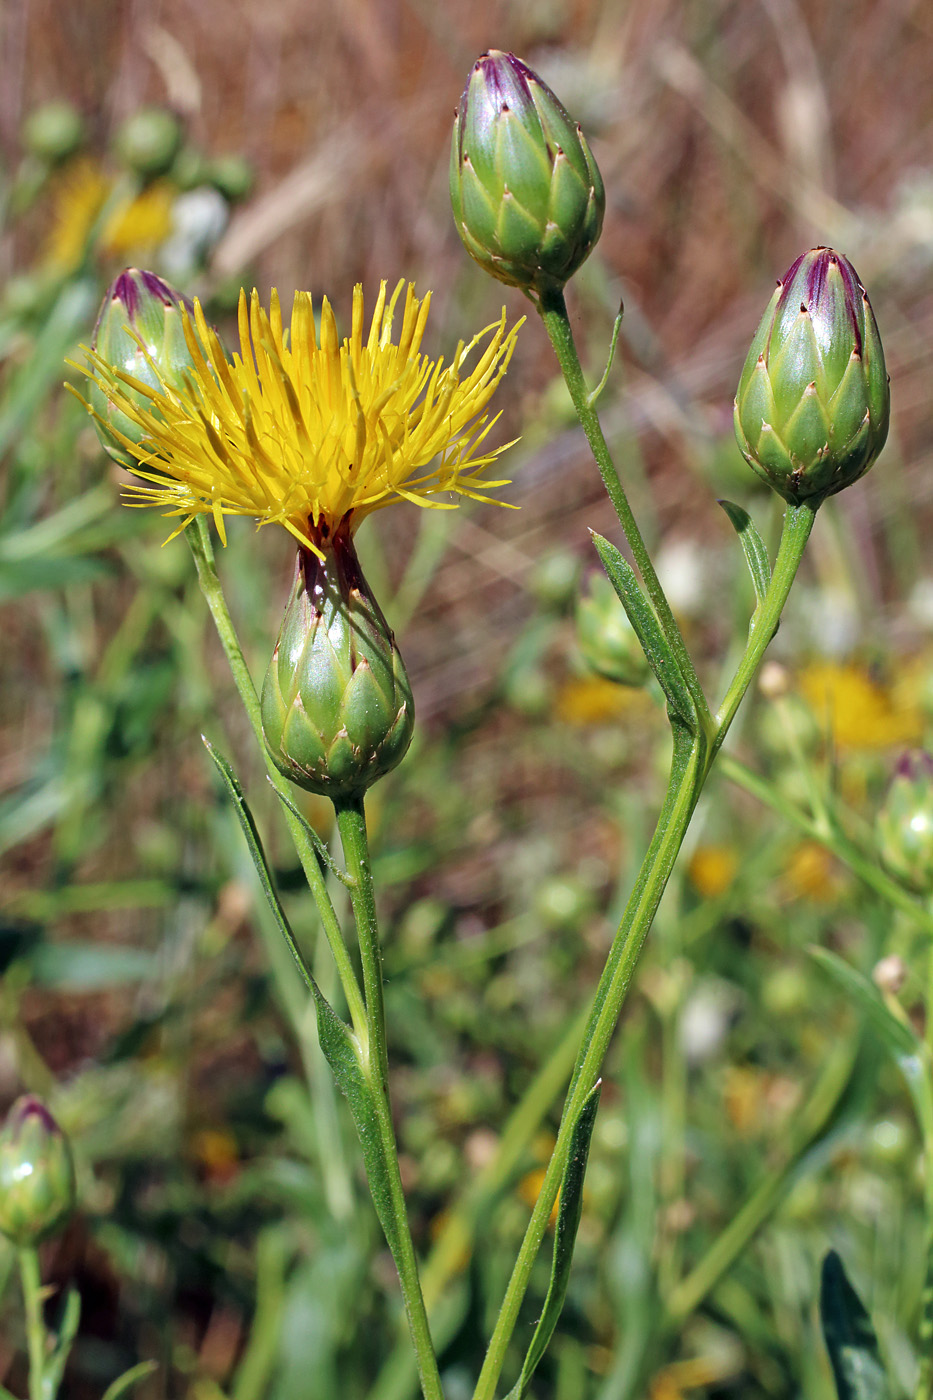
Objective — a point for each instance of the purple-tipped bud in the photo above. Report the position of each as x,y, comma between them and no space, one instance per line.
37,1179
904,823
527,194
139,331
812,408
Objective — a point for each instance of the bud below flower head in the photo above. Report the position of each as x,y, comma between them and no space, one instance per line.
37,1179
904,823
337,708
812,408
141,316
527,195
607,638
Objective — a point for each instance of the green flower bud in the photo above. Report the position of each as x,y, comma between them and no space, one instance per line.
606,638
527,195
139,310
811,413
904,824
148,141
53,132
337,708
37,1178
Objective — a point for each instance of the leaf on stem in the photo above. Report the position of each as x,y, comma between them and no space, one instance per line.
753,547
898,1037
129,1378
323,853
850,1337
340,1046
565,1234
648,631
55,1365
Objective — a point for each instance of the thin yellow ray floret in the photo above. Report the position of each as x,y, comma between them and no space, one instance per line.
302,427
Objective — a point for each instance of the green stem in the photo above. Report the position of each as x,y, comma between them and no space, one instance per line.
351,820
690,766
553,312
202,549
35,1326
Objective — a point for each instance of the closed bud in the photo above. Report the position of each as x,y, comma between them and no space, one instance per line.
54,131
149,140
37,1179
606,637
337,708
812,409
527,195
904,824
140,331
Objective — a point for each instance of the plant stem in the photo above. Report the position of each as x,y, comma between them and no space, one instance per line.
553,312
35,1326
351,820
690,766
200,541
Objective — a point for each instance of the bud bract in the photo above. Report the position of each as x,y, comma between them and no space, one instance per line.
527,195
904,823
337,708
37,1179
606,637
812,409
139,330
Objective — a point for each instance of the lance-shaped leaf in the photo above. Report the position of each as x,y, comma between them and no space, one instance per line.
850,1337
753,547
648,631
340,1046
565,1235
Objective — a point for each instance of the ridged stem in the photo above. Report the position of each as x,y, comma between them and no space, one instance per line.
351,821
31,1280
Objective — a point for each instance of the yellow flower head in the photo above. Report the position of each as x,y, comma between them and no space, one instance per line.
306,429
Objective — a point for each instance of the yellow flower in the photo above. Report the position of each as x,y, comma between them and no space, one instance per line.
860,713
305,429
132,223
712,869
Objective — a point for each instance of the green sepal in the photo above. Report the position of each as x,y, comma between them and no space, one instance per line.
807,433
753,547
850,1337
847,409
647,628
565,1235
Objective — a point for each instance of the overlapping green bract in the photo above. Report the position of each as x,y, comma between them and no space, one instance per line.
37,1178
812,409
141,316
527,195
337,708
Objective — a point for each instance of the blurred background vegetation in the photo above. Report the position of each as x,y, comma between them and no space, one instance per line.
224,1229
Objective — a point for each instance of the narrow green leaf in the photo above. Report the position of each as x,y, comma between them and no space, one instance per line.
648,631
340,1046
129,1378
753,547
565,1234
323,853
71,1317
898,1037
850,1337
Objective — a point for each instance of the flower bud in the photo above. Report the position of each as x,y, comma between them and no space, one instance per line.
37,1179
140,316
337,708
904,824
54,131
811,413
148,141
527,195
606,637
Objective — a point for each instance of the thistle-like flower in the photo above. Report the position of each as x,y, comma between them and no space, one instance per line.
812,408
305,429
527,195
316,433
